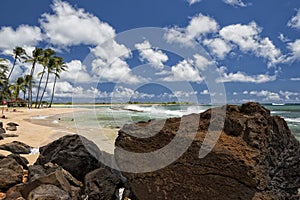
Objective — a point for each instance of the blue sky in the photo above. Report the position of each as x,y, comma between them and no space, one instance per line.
253,45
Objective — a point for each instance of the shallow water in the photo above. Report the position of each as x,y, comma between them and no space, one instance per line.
96,122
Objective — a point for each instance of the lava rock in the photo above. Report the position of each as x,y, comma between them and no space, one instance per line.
20,160
74,153
11,173
48,192
255,157
11,128
16,147
12,124
102,184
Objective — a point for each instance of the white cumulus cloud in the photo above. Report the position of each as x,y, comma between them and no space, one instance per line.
266,95
68,26
24,36
236,3
247,38
295,21
218,47
199,26
154,56
184,71
243,77
294,47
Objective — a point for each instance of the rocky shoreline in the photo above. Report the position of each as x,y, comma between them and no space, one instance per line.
256,157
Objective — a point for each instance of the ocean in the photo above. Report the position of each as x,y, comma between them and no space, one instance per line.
96,119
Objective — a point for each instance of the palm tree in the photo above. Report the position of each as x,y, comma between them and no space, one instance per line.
37,55
27,81
50,67
47,54
17,87
3,80
58,67
19,53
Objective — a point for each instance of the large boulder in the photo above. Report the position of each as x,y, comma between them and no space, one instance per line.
16,147
20,160
255,157
11,173
48,192
74,153
102,184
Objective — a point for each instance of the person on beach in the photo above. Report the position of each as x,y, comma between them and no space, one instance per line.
3,106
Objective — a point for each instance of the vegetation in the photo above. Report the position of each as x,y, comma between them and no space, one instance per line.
10,90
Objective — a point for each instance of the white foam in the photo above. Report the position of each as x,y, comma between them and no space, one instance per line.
39,117
159,110
34,151
297,120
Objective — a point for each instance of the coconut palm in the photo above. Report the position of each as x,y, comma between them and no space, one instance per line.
47,54
19,53
59,67
3,80
50,68
37,56
17,87
27,81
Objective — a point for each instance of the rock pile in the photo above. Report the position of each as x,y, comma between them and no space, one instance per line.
256,157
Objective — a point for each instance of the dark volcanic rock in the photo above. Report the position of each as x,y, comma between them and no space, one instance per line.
74,153
2,130
16,147
11,128
256,157
11,173
101,184
48,192
56,178
12,124
20,160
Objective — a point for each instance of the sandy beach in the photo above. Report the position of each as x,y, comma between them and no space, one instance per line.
35,135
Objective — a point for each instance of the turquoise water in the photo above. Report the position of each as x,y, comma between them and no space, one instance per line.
117,116
291,114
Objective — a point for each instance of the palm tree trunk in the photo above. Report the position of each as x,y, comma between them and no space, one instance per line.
53,91
30,85
12,69
44,89
38,91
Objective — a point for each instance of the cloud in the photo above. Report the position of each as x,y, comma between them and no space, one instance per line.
154,56
295,21
23,36
205,92
76,72
294,47
295,79
201,62
68,26
283,38
117,71
287,94
242,77
247,38
199,26
218,47
267,95
235,3
121,93
184,71
193,1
